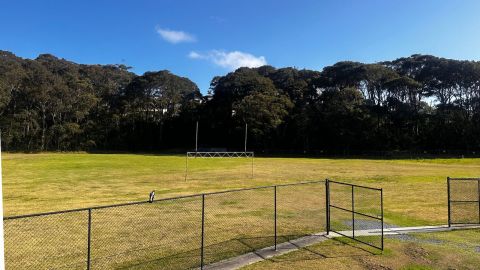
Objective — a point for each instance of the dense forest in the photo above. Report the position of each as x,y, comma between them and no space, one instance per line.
416,103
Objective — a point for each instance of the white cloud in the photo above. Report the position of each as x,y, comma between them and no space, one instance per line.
230,60
195,55
175,36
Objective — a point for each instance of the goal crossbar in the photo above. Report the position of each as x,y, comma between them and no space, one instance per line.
245,154
220,154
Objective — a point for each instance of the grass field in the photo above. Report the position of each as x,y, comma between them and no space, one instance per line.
443,250
414,190
166,234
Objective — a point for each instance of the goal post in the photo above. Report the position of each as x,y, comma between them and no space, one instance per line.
219,154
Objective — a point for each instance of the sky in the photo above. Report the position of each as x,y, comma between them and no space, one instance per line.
203,39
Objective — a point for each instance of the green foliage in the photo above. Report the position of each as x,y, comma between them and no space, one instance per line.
417,103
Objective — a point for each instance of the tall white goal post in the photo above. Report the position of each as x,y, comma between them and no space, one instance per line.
217,154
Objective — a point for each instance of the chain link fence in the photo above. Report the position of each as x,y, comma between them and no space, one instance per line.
356,212
463,201
186,232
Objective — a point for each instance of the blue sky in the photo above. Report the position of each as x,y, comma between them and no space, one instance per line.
202,39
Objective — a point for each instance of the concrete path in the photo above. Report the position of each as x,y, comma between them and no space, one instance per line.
292,245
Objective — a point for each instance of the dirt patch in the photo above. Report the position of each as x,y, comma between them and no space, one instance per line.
417,253
368,264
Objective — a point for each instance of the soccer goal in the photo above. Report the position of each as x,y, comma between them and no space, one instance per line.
219,154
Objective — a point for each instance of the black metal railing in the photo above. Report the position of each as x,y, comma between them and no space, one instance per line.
184,232
463,201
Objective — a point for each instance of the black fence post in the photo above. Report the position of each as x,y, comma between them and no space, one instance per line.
478,181
353,214
381,209
203,232
275,213
448,197
327,205
89,237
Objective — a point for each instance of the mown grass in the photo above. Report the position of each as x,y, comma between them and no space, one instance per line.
165,234
162,235
442,250
414,190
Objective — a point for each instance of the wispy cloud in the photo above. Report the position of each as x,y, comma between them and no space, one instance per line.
175,36
230,60
195,55
218,19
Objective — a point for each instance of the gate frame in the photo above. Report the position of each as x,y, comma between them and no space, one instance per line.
329,205
449,179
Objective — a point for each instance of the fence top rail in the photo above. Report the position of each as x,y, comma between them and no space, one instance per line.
464,179
301,183
156,200
353,185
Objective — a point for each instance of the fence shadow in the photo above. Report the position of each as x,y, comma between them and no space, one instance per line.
329,249
191,259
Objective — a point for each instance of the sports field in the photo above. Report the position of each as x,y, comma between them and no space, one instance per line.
414,190
414,194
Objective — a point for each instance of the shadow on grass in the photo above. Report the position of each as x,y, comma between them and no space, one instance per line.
332,248
191,259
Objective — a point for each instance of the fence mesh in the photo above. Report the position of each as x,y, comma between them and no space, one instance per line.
302,215
57,241
340,205
238,222
368,215
159,235
356,212
184,232
464,201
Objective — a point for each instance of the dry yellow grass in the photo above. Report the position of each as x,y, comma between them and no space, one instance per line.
414,190
167,234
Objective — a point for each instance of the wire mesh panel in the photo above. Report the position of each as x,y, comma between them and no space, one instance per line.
463,201
368,215
356,212
341,222
57,241
300,210
340,204
160,235
238,222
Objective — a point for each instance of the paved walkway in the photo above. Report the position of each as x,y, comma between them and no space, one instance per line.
292,245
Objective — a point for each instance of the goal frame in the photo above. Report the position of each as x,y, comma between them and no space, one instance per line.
224,154
218,154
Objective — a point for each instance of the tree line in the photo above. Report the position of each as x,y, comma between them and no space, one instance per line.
416,103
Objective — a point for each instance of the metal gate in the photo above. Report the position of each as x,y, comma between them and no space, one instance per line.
355,212
463,201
